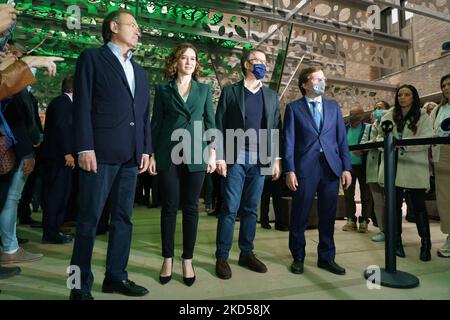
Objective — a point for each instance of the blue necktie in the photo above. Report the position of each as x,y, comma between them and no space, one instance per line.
316,114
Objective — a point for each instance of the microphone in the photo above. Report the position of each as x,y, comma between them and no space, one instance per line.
445,125
387,126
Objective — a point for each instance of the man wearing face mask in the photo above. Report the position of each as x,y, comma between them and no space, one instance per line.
246,106
316,156
355,130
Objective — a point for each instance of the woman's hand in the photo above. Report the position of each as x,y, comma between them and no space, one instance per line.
212,161
152,166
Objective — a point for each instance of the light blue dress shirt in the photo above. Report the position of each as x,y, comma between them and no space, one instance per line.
319,106
126,65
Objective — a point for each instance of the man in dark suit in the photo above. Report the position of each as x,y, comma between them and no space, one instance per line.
316,155
245,106
60,163
113,143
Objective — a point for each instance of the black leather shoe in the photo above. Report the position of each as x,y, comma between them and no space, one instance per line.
297,267
35,224
59,238
266,226
212,213
125,287
281,227
331,266
6,273
399,251
22,240
76,295
165,279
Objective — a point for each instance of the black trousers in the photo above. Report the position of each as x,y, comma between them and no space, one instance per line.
417,201
358,173
178,184
57,192
271,188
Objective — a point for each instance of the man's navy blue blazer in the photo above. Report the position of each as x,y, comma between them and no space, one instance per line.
303,141
58,132
106,116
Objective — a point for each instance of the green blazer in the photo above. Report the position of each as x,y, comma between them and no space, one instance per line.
170,113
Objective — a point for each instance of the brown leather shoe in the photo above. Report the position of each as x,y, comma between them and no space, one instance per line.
252,263
20,256
223,269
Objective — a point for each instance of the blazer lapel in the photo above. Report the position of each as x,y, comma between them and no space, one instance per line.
305,107
193,94
324,113
112,60
180,104
137,79
239,92
267,111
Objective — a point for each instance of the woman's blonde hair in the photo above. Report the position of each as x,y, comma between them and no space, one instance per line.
172,61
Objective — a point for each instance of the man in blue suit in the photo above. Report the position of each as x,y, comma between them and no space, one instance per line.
316,155
113,143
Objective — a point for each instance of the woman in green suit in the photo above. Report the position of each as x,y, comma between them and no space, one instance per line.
182,113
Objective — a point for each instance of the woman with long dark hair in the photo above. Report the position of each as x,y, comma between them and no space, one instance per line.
441,157
411,122
181,105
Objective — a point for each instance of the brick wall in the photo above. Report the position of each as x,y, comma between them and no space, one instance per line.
424,77
428,36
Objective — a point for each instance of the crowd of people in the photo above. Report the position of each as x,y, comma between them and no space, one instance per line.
118,138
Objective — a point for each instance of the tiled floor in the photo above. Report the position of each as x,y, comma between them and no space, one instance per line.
46,279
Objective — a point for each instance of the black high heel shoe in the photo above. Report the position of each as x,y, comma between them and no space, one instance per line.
165,279
189,281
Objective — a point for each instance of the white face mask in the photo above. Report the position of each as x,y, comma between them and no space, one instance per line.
319,88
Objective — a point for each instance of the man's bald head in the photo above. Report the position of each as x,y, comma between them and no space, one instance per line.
356,111
355,116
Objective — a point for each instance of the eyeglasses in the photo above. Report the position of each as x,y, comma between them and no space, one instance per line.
132,25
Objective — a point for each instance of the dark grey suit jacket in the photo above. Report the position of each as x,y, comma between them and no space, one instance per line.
230,114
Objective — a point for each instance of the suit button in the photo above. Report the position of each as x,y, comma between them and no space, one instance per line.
132,124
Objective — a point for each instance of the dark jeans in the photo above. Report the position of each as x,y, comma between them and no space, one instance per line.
175,183
358,173
242,180
94,188
274,189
